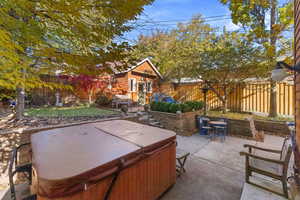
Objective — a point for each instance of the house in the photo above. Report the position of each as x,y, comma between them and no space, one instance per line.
140,81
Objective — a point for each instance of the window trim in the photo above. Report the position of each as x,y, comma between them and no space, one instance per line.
147,86
132,85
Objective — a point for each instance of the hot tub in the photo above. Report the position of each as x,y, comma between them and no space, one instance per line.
115,160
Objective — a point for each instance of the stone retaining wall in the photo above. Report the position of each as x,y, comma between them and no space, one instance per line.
185,124
181,123
242,127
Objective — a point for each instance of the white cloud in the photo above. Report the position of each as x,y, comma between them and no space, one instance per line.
230,26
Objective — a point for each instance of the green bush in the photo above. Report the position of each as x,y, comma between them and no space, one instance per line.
153,106
195,105
166,107
102,100
188,106
174,107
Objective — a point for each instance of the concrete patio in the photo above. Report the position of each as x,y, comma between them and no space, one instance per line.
215,170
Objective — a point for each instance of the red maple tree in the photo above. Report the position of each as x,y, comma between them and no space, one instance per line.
91,85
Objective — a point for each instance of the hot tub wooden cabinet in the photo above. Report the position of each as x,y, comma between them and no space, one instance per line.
112,160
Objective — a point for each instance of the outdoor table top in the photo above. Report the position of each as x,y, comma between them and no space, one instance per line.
217,123
181,153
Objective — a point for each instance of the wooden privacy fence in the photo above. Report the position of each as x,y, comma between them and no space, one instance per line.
247,97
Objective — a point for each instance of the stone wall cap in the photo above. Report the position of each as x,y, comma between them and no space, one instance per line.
31,130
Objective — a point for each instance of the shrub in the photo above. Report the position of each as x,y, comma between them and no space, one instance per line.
196,105
174,107
160,106
154,105
102,100
186,107
166,107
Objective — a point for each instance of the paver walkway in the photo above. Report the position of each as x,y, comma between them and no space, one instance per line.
215,170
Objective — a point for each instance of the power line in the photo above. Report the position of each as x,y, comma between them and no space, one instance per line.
158,25
183,20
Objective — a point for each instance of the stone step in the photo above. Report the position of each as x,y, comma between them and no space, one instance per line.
143,118
152,120
155,123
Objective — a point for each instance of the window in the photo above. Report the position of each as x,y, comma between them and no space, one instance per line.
149,86
132,85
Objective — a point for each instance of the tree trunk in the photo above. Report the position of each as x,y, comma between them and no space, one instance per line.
205,103
225,104
90,98
273,100
20,103
273,39
225,100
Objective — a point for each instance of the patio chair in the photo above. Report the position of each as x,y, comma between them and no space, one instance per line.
257,135
204,128
14,169
264,165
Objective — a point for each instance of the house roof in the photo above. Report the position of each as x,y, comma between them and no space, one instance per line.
188,80
140,63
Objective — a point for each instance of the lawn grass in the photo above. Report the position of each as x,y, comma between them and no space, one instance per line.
79,111
233,115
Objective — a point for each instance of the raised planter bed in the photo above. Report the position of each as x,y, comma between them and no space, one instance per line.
181,123
242,127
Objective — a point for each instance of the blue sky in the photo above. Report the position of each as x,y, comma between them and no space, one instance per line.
175,11
180,11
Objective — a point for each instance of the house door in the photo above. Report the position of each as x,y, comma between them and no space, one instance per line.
142,93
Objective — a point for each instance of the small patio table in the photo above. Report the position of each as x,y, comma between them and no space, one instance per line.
181,157
215,125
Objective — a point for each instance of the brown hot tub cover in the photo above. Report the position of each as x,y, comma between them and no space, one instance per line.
69,160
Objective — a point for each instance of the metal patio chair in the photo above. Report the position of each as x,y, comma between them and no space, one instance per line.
14,169
264,165
204,128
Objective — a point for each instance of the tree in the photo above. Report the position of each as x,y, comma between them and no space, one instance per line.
226,60
90,84
173,51
42,37
266,23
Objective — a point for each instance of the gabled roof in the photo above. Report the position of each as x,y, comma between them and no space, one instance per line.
140,63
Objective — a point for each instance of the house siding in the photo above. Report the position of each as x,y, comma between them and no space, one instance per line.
142,73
